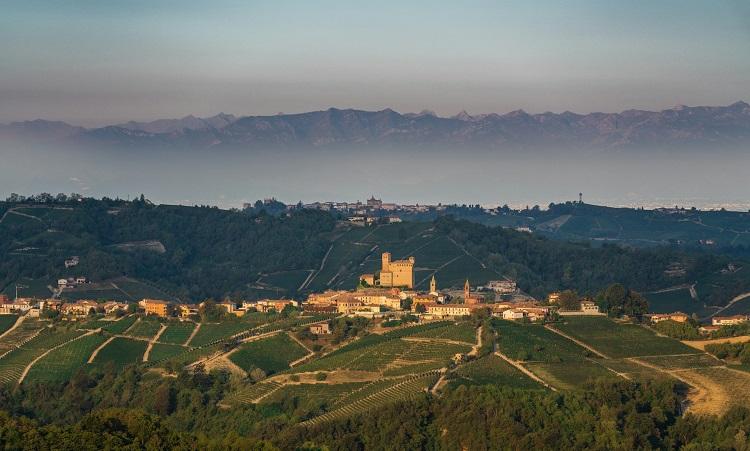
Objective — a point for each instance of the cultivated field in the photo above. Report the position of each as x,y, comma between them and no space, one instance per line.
177,332
272,354
620,340
121,352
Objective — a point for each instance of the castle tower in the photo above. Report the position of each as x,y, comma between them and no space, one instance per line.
466,291
386,261
433,285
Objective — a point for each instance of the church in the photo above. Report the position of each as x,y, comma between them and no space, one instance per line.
393,273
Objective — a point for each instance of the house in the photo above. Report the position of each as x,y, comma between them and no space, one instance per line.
678,317
514,314
316,308
553,298
705,330
348,306
728,320
186,310
4,299
588,307
278,305
62,283
79,308
113,306
156,307
231,308
320,329
80,280
72,261
378,297
445,310
501,286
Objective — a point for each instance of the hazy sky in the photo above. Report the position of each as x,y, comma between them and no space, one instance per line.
95,61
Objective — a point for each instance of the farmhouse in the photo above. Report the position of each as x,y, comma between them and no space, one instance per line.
728,320
231,308
553,298
155,307
501,286
378,297
320,329
446,310
348,306
113,306
278,305
185,310
678,317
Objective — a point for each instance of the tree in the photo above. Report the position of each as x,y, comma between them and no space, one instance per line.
420,308
569,300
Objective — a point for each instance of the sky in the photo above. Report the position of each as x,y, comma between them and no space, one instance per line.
94,62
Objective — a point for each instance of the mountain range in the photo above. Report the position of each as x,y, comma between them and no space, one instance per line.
680,127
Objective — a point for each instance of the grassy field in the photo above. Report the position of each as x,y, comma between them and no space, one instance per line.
177,332
121,351
145,328
493,370
7,321
62,363
620,340
271,354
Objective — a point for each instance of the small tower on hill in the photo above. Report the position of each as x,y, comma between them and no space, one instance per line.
433,285
467,289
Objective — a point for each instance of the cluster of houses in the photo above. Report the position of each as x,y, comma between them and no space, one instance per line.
164,308
71,282
34,307
717,322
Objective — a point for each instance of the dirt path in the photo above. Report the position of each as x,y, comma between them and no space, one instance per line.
131,326
440,382
310,352
705,395
195,331
153,340
575,340
15,325
475,348
314,274
96,351
524,370
701,344
28,367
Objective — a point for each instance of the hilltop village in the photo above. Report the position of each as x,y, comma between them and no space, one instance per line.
387,294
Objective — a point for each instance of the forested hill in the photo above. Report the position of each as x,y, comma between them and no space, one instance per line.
135,249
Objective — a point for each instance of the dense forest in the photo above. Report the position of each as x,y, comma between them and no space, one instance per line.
140,411
208,252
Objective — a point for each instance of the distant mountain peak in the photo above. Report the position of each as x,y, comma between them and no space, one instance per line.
680,127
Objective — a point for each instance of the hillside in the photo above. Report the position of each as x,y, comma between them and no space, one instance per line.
256,378
131,250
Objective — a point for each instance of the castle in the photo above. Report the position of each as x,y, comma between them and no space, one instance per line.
393,273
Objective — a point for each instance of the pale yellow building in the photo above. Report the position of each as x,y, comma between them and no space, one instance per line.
393,273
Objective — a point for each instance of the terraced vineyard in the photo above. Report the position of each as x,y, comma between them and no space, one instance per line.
401,389
145,328
620,340
270,354
252,393
312,393
177,332
7,321
162,351
62,363
493,370
532,342
211,332
25,331
15,361
121,325
459,332
121,351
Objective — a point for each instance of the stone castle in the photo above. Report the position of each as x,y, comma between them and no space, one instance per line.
393,273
